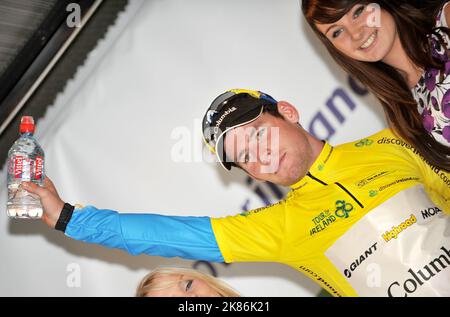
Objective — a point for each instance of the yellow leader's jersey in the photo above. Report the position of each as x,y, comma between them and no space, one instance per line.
361,223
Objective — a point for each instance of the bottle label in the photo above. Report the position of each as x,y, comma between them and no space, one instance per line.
18,166
27,169
39,166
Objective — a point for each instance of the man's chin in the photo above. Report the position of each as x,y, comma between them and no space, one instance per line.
286,182
290,181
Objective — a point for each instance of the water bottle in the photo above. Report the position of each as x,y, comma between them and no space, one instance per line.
25,163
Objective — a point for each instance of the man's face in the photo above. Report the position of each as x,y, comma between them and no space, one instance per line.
272,149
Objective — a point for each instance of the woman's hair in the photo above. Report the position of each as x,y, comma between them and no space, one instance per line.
150,281
415,22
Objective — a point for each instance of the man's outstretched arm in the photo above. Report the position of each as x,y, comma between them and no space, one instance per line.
158,235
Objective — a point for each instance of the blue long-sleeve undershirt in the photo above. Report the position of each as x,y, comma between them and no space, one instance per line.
167,236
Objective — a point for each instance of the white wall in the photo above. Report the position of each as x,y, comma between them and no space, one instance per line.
108,136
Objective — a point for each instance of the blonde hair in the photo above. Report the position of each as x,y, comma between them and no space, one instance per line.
148,282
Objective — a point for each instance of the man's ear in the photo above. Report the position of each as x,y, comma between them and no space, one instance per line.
288,111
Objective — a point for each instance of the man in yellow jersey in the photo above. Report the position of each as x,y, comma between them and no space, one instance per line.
366,218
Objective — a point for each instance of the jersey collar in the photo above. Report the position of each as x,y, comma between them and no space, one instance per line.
319,167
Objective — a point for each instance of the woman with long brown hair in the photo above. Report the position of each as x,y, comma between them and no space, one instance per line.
400,51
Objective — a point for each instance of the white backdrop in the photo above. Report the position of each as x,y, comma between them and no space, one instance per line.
110,136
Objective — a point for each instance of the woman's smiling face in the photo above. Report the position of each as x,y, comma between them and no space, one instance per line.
366,33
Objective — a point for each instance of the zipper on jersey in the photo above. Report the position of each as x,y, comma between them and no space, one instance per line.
339,185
